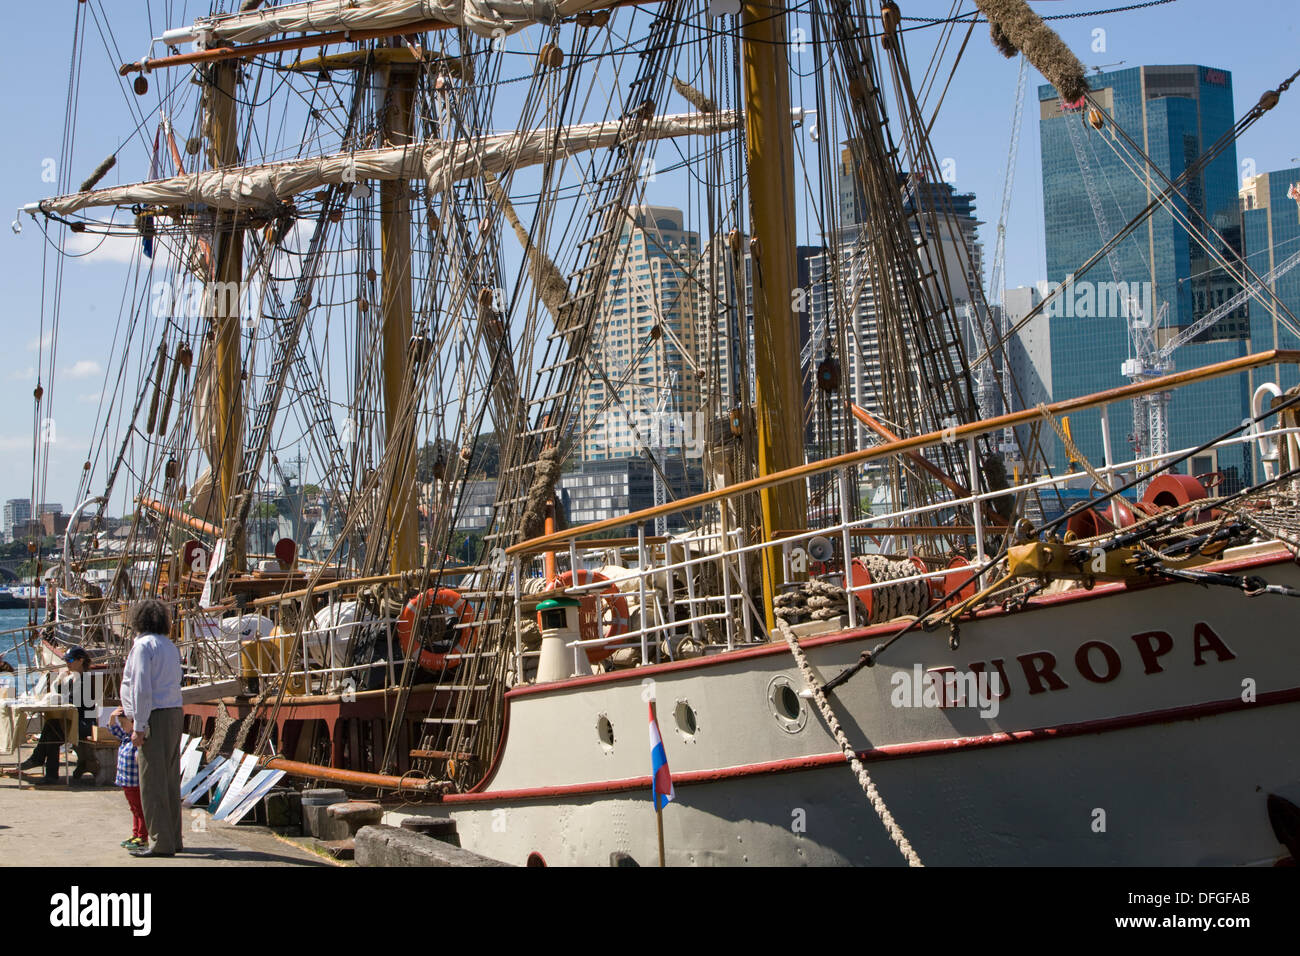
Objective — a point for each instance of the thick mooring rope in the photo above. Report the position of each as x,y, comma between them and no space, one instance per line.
864,779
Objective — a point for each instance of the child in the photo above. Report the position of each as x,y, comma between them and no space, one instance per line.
128,777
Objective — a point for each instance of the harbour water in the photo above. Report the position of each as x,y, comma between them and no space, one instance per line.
12,647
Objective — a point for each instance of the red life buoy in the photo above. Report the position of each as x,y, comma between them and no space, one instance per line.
589,615
441,597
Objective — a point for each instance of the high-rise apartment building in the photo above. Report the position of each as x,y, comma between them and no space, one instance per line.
945,229
648,321
17,514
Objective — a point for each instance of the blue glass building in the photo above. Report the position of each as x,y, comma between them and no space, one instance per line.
1174,113
1271,230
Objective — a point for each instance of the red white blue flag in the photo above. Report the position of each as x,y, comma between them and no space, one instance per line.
661,780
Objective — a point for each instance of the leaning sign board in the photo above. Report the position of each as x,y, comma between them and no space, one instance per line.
203,781
259,787
191,758
223,782
221,806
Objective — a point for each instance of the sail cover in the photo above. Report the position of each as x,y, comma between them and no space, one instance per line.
484,17
440,162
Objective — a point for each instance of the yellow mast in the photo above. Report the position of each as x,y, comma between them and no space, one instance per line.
227,273
770,157
396,304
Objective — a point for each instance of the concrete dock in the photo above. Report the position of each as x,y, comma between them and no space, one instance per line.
82,825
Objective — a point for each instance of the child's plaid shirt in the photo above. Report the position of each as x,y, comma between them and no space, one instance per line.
127,774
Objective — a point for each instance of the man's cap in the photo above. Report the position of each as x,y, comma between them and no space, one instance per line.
76,653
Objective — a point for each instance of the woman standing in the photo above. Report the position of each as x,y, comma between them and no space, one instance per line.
151,697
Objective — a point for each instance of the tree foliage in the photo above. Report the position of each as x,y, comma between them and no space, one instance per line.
484,462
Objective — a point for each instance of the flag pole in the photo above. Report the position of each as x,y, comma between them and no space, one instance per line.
659,816
658,766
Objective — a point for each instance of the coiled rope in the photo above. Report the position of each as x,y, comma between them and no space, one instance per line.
864,779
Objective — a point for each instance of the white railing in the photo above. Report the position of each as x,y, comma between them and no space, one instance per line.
733,608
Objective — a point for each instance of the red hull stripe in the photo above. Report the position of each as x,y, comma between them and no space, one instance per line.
639,674
894,751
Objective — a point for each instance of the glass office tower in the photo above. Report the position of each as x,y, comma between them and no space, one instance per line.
1173,114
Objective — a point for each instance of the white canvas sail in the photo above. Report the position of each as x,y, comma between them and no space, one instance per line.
484,17
440,162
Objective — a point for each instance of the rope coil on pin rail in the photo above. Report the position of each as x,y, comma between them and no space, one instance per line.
832,722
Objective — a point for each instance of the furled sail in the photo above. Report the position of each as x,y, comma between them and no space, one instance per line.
441,162
484,17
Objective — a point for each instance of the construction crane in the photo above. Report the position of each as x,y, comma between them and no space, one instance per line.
1143,330
985,373
1155,361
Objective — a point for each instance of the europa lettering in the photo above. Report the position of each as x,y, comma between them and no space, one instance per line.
1099,662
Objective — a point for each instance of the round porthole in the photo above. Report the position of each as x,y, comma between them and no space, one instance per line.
605,733
786,705
684,715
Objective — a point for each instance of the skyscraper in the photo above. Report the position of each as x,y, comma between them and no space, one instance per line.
1174,113
1270,214
648,321
951,248
17,514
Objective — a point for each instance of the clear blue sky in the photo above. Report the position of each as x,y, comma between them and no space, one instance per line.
1256,41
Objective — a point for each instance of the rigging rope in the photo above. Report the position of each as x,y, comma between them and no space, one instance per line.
850,754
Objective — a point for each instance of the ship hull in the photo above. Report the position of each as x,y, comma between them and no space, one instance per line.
1138,726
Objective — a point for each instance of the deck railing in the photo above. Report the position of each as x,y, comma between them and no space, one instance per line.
651,581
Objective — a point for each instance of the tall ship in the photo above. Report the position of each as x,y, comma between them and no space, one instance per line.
397,279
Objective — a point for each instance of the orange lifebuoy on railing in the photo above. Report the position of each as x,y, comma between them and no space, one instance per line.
589,613
440,597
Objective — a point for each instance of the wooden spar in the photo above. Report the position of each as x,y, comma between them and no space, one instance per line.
227,274
205,247
770,158
382,56
347,584
357,778
968,430
180,517
322,40
395,252
862,415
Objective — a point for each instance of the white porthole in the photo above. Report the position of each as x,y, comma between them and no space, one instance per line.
687,723
787,707
605,733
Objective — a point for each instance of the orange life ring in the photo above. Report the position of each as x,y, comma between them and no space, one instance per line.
589,617
441,597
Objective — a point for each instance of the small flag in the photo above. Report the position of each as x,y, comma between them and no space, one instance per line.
661,779
146,223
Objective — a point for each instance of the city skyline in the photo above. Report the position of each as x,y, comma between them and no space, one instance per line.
970,139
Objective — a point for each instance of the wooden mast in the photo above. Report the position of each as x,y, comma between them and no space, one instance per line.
396,305
770,157
223,299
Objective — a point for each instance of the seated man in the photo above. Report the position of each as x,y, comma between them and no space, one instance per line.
68,685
